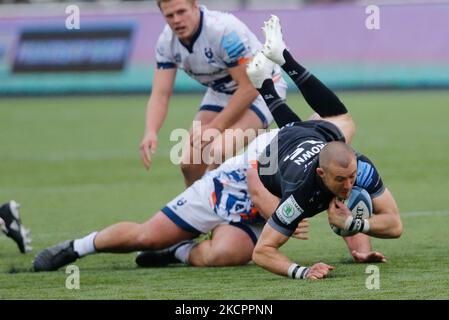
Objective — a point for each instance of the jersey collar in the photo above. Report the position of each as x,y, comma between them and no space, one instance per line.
196,35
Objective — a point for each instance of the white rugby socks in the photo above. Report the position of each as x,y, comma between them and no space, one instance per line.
182,253
85,246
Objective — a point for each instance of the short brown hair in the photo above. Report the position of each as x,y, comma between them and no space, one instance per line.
337,152
159,2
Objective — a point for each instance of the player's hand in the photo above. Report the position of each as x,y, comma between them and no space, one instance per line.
202,135
319,271
302,230
337,213
148,147
371,256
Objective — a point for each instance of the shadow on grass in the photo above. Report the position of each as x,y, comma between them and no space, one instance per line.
14,269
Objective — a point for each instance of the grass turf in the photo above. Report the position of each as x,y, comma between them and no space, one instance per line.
74,165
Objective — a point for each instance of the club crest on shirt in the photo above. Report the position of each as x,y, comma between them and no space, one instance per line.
289,210
209,55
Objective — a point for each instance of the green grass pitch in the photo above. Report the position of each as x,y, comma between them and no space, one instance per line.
73,163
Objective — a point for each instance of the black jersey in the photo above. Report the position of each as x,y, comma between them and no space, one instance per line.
288,165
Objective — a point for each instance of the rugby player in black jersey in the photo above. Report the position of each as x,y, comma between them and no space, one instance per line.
311,168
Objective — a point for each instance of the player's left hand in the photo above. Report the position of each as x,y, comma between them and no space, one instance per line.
371,256
338,212
302,230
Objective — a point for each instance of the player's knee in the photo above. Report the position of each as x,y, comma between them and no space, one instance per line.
315,116
348,126
190,172
218,152
220,257
345,123
210,261
215,258
229,144
186,168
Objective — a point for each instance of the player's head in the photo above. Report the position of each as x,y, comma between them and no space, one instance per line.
183,17
338,168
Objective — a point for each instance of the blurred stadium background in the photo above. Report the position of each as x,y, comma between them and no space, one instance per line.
72,105
113,51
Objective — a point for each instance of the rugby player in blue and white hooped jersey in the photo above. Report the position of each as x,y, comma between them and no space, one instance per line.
213,48
219,203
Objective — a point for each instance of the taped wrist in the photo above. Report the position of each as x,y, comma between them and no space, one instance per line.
357,225
297,272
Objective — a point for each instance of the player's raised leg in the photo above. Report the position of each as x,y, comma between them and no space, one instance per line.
158,232
320,98
259,71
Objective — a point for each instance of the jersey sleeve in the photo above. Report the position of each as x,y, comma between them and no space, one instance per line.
164,56
368,177
235,45
287,216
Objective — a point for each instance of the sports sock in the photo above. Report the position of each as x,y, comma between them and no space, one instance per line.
319,97
85,246
182,253
281,112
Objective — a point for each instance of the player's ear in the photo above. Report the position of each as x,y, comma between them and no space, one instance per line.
320,172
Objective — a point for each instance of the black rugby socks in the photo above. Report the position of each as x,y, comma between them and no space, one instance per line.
322,100
281,112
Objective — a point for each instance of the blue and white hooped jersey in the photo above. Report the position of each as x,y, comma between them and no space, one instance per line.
221,42
230,198
221,196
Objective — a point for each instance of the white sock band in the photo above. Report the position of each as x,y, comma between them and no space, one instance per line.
182,253
296,271
85,246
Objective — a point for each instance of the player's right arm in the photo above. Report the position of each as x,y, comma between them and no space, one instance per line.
359,246
157,108
267,255
265,202
386,221
276,232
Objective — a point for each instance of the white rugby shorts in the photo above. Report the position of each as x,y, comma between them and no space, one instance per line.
217,101
216,199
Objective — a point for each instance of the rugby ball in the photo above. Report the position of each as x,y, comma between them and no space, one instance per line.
361,207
